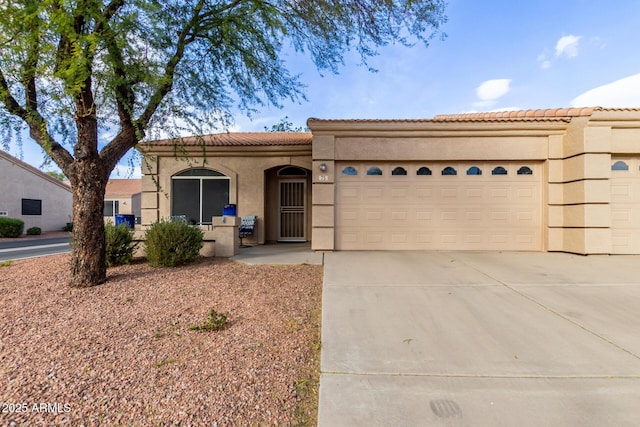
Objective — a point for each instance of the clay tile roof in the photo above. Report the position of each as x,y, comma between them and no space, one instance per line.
241,139
123,187
315,119
564,114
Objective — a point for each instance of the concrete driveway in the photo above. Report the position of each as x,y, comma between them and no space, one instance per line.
480,339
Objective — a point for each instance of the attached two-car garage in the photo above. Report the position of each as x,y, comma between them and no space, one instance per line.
560,180
439,205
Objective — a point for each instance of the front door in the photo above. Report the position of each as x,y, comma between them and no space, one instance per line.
293,211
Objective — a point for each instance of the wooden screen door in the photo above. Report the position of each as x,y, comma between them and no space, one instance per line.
293,198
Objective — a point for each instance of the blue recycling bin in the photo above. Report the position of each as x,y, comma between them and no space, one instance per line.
229,210
129,220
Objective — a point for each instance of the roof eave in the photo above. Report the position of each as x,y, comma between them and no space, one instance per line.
335,127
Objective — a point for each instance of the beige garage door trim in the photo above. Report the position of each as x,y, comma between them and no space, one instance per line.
625,205
450,212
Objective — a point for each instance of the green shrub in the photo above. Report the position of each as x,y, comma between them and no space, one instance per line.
215,322
11,227
119,244
169,244
68,227
34,231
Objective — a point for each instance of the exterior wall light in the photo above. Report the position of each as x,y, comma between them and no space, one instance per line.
323,167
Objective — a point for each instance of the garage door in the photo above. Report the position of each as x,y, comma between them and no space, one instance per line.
625,205
479,206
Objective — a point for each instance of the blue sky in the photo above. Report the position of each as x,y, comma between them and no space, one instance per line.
498,55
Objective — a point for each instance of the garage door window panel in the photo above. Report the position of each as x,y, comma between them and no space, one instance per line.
449,171
349,171
499,170
525,170
619,166
399,171
474,170
424,171
374,171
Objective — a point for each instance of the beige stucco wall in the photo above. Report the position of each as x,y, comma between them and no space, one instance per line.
19,183
579,179
415,141
245,166
576,153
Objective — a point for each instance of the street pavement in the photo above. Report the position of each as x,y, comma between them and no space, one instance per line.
480,339
21,248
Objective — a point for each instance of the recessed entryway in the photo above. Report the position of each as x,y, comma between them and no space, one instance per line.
287,204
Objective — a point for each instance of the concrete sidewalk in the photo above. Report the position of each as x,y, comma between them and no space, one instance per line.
480,339
280,253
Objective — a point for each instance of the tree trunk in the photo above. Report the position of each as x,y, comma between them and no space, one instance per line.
88,263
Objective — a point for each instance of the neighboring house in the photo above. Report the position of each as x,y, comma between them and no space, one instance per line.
33,196
122,196
538,180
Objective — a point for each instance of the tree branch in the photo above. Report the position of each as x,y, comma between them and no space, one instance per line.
125,97
222,9
128,136
185,37
112,8
28,77
37,127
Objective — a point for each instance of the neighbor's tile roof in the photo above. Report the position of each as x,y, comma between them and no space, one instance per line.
545,114
549,114
241,139
123,187
557,114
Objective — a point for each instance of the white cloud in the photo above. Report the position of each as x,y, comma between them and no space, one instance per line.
489,91
568,46
543,61
621,93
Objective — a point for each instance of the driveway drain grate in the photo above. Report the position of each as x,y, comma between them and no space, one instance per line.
445,408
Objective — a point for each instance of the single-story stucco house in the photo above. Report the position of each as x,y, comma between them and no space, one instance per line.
33,196
122,196
536,180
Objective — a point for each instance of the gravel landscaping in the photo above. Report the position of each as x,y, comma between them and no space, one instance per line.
123,353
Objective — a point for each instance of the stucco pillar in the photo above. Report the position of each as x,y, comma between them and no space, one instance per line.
225,233
579,193
149,196
323,193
